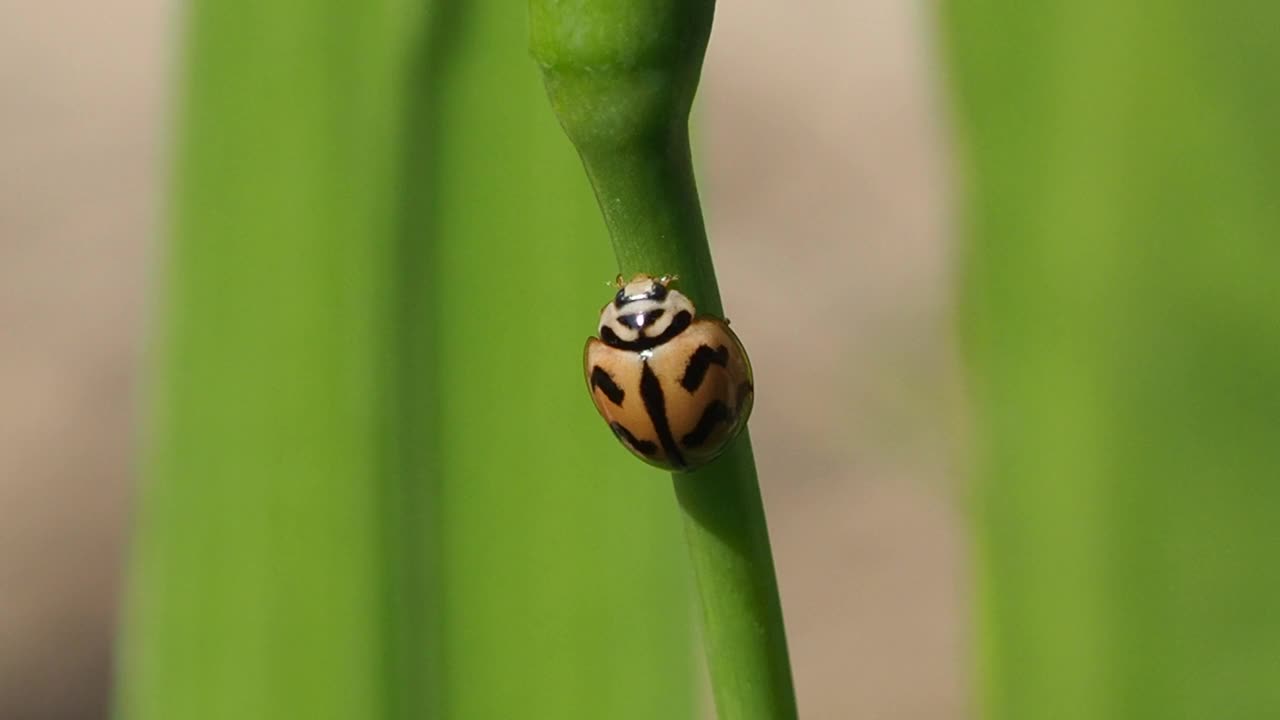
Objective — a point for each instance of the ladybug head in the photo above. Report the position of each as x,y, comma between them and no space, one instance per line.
645,313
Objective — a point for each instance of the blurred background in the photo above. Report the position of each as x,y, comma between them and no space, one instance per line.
1116,296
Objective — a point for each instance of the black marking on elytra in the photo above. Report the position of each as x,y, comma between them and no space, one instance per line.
679,324
700,362
745,388
655,403
635,321
715,413
657,292
645,447
600,378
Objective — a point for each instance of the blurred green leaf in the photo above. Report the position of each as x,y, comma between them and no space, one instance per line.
257,568
1123,331
374,484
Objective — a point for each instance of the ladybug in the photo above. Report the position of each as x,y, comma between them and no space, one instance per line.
674,386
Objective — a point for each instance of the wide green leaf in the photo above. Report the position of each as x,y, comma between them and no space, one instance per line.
373,482
1122,321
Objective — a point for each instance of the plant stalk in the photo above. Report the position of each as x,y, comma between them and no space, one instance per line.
621,76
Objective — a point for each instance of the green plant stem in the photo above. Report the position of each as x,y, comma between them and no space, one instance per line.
621,76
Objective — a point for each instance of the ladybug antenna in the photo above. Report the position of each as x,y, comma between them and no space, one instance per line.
617,281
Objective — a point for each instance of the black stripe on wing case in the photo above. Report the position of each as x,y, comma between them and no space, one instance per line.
744,392
601,379
716,413
644,447
700,362
655,403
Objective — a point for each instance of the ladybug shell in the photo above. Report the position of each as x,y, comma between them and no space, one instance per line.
677,405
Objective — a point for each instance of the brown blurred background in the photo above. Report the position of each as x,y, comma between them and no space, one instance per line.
822,138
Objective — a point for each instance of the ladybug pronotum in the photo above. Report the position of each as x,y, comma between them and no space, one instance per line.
675,387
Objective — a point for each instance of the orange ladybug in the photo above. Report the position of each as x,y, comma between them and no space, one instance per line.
675,387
